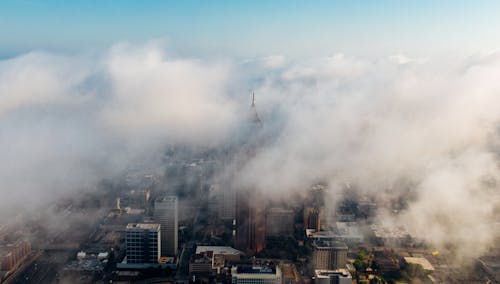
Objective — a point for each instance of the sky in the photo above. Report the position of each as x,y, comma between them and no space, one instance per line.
253,28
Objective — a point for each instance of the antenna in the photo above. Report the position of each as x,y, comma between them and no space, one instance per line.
253,99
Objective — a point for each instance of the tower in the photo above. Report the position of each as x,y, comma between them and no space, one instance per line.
143,242
166,213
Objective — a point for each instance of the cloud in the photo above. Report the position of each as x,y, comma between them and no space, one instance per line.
67,122
378,124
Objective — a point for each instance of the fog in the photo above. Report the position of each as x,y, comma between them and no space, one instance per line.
69,121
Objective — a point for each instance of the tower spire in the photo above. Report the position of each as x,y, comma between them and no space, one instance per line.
253,99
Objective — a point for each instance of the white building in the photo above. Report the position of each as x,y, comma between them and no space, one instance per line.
338,276
166,213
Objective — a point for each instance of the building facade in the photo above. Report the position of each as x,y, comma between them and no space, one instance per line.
256,275
279,222
329,255
312,218
338,276
143,243
166,214
11,255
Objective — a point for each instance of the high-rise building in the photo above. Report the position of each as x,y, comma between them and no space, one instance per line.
279,222
226,202
13,254
256,275
143,243
166,213
251,223
329,255
312,218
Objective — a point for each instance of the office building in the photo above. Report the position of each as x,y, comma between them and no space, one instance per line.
279,222
13,254
329,255
226,202
338,276
312,218
166,214
256,275
251,223
143,243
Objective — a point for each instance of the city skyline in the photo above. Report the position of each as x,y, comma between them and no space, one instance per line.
236,142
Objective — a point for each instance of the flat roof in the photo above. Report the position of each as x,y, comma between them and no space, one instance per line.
426,265
148,226
166,198
323,273
217,250
252,272
329,244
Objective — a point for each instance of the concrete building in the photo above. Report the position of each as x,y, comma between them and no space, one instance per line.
329,255
250,223
229,253
166,214
279,222
226,202
338,276
210,260
143,243
312,218
11,255
256,275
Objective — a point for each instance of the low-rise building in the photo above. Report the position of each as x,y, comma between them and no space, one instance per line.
256,275
337,276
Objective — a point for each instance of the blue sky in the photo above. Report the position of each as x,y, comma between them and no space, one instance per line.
253,28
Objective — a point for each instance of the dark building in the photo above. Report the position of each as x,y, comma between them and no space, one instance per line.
312,219
143,243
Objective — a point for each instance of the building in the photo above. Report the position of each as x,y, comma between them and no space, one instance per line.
312,218
256,275
279,222
422,261
11,255
338,276
250,223
210,260
166,214
229,253
201,264
226,202
143,243
329,255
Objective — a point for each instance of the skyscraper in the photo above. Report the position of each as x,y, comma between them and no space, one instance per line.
226,202
251,223
279,222
143,242
165,213
312,218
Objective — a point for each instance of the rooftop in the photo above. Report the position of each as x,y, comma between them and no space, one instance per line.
268,272
321,273
217,250
426,265
148,226
329,244
169,198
